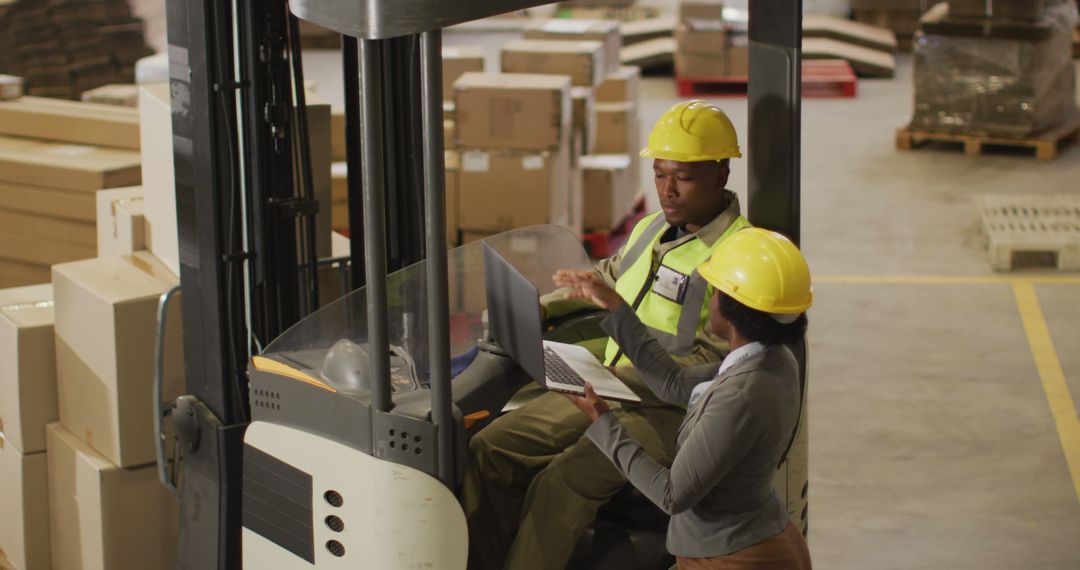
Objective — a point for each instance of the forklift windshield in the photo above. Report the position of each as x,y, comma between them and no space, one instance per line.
332,343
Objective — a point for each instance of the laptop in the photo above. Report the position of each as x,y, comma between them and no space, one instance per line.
514,320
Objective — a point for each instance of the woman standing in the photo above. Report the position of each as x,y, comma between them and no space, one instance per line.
741,413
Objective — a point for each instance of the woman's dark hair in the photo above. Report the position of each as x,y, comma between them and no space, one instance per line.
758,326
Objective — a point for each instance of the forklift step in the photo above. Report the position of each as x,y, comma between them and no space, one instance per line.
1046,145
1025,230
821,78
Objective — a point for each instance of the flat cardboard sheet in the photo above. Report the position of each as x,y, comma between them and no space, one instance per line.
76,122
864,61
66,166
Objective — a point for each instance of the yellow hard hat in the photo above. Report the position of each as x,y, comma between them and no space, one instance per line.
693,131
762,270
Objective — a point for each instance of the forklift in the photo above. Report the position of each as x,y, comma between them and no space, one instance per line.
336,436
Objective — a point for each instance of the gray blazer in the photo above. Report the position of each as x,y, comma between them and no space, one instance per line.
719,488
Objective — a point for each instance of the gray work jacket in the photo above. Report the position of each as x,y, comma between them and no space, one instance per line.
719,488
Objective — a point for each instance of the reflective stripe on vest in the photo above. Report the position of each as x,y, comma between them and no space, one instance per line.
672,326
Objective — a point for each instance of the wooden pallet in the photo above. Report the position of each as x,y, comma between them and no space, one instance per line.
820,78
1046,145
1039,229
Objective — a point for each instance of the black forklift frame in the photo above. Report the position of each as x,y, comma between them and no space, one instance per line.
240,211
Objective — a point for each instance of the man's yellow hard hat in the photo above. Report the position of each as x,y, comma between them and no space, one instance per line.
762,270
693,131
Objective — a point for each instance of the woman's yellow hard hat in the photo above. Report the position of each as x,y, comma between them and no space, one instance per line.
762,270
693,131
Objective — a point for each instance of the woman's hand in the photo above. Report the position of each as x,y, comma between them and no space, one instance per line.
591,404
586,284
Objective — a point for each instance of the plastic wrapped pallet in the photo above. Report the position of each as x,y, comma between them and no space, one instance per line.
996,86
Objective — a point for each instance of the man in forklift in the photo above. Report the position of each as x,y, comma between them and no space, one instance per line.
535,481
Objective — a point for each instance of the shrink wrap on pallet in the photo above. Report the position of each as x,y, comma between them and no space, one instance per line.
996,86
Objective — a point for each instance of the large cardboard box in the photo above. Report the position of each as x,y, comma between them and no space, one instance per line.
121,225
452,164
700,53
40,251
106,328
337,134
103,517
583,61
71,122
737,56
603,31
1007,9
24,504
27,367
320,131
159,181
609,189
339,196
457,61
67,204
512,111
701,11
66,166
620,86
617,129
505,189
584,120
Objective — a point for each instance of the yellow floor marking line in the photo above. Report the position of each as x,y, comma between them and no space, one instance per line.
1053,378
945,280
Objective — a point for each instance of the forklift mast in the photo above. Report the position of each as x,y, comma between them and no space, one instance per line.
246,210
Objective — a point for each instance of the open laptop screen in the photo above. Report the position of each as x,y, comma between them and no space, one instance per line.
514,313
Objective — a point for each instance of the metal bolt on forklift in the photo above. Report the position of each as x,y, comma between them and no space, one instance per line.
335,437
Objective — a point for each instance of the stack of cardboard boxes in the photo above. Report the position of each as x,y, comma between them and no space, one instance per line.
513,133
978,72
54,156
705,47
65,47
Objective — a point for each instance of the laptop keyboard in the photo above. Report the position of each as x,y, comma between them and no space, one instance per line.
559,371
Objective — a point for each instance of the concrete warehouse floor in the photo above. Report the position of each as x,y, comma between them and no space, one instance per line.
932,438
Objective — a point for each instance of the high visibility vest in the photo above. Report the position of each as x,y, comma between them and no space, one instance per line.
673,319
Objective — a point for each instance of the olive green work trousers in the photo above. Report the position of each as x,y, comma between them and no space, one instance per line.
535,481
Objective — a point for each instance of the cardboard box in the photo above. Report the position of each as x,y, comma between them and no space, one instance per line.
48,227
123,95
617,129
121,226
66,166
583,61
24,502
512,111
21,274
106,328
449,135
70,122
584,118
469,236
505,189
603,31
620,86
337,134
457,61
67,204
1007,9
103,517
27,367
340,195
700,53
737,56
701,11
320,129
609,189
159,181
